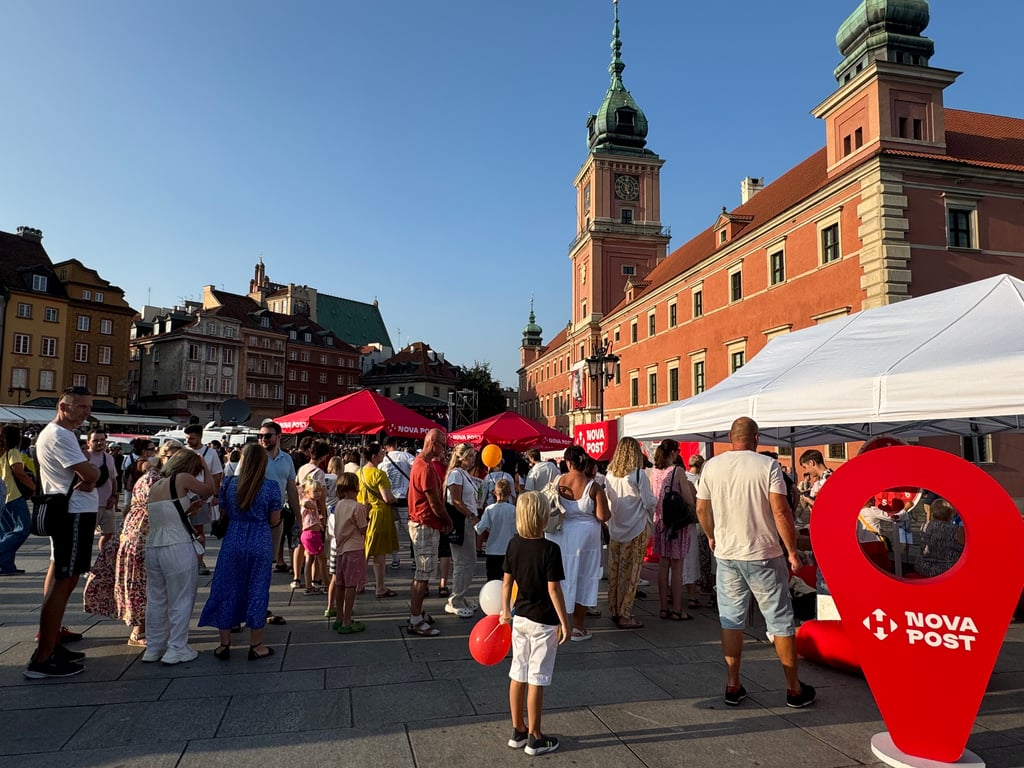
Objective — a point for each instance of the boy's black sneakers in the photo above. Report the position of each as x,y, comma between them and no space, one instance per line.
518,739
802,698
734,695
63,654
54,666
541,745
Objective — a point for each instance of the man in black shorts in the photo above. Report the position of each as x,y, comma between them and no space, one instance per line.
62,465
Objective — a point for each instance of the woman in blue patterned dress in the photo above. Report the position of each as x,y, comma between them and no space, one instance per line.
240,590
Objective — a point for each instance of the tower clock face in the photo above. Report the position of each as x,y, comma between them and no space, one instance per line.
627,187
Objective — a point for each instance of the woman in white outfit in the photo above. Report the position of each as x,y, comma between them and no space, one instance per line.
171,575
586,507
460,498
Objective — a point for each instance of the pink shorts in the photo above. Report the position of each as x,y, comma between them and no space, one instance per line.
350,568
312,542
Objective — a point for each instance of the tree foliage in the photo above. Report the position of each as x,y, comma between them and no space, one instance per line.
490,399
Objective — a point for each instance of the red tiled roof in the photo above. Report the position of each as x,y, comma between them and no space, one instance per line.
19,255
789,189
973,138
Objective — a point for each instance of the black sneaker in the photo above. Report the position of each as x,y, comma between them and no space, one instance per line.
64,654
733,696
518,739
804,698
541,745
52,667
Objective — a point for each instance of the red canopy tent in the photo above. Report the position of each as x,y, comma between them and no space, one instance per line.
510,430
360,413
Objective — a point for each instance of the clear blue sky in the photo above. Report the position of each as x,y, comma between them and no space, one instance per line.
418,153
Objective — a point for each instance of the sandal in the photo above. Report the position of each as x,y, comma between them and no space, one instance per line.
253,656
677,616
136,640
579,634
630,622
276,620
423,629
387,593
444,592
222,652
663,613
693,603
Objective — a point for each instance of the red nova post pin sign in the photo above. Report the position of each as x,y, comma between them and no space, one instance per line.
927,646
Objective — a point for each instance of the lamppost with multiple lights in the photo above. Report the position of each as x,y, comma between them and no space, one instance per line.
11,390
601,367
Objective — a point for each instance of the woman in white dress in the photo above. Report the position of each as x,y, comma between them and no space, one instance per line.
586,507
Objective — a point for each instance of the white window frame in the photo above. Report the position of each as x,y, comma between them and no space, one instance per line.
81,352
83,323
104,354
736,269
47,380
24,310
22,344
39,283
48,346
51,315
102,385
698,357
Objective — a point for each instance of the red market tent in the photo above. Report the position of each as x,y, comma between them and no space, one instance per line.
360,413
510,430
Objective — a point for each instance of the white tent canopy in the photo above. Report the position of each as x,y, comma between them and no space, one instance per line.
950,362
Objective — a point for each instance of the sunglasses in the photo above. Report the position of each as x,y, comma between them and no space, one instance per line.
267,435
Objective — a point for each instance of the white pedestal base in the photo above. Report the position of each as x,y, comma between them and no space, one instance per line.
884,749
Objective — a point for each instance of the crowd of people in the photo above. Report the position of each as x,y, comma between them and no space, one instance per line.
723,532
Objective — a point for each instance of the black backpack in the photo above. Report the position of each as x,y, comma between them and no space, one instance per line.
676,511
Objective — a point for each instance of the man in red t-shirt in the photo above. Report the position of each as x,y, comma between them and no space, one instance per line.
428,520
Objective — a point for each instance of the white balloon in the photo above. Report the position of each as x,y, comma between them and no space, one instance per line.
490,597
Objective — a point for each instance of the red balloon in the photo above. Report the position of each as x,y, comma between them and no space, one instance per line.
490,641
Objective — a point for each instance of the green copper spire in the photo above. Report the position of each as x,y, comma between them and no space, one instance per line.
884,30
532,332
619,124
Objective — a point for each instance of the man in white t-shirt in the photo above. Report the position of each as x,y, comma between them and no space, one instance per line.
62,466
742,507
205,515
397,465
541,472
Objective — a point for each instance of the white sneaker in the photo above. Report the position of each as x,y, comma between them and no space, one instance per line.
462,613
643,583
179,657
153,654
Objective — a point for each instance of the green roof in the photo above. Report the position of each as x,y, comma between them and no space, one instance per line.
356,322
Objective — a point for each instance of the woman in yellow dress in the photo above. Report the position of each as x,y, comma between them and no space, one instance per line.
381,536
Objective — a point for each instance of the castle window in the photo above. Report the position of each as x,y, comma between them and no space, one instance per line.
698,302
777,267
735,285
858,138
962,223
627,215
830,243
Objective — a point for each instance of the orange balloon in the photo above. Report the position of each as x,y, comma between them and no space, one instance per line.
491,456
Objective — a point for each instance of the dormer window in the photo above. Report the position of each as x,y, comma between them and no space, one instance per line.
39,283
307,337
330,341
264,322
292,335
625,118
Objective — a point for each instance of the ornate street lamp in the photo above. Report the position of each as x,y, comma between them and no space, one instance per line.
601,367
19,390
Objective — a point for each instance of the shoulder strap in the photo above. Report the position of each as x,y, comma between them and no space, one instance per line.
177,503
367,486
396,466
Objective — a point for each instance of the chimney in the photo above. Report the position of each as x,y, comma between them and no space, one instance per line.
29,233
750,186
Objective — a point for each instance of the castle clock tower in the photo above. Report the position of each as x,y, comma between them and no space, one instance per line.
618,209
618,202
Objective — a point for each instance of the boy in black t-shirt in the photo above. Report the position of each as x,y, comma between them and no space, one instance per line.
535,565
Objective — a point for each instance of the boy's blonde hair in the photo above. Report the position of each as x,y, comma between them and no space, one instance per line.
531,515
502,489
